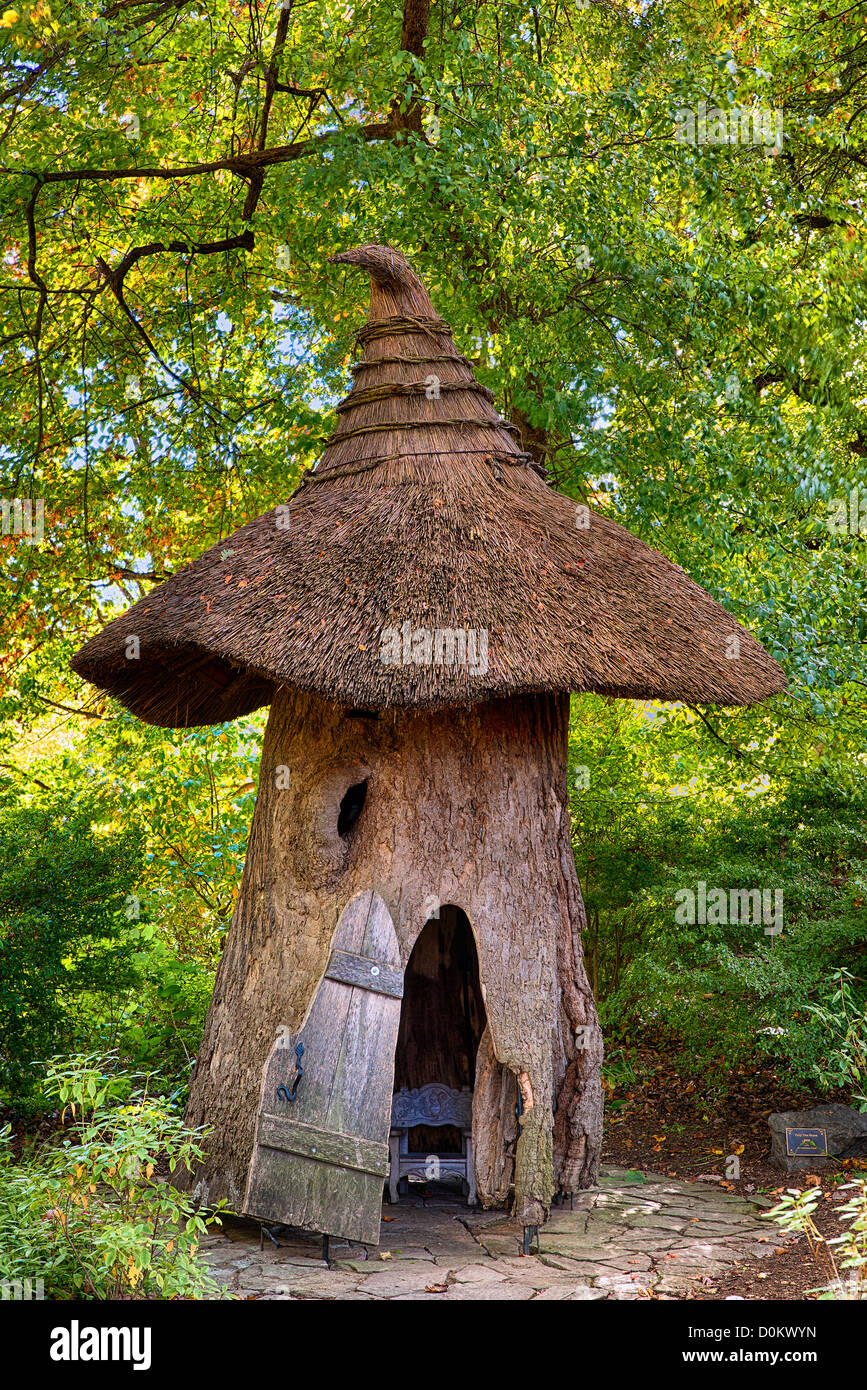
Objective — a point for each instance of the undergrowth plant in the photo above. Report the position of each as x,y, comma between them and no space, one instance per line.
88,1212
843,1257
843,1022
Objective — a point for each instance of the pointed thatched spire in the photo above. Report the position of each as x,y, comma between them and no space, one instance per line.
424,562
413,394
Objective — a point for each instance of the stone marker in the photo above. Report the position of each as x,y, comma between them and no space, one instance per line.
835,1130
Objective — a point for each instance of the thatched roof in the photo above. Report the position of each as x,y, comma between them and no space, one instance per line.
424,561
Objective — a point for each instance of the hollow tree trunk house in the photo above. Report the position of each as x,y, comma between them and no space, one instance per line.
416,616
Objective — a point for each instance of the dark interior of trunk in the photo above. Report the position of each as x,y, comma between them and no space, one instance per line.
442,1019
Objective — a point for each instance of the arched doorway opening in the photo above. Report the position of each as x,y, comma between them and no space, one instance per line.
441,1023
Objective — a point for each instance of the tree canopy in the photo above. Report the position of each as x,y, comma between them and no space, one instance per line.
675,327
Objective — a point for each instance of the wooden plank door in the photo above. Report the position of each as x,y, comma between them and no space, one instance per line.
320,1160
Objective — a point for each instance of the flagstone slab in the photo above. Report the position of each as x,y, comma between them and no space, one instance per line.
499,1245
327,1284
391,1283
581,1255
655,1221
655,1245
622,1289
540,1276
582,1269
478,1274
508,1291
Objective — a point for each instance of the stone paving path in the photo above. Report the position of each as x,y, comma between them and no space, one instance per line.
632,1237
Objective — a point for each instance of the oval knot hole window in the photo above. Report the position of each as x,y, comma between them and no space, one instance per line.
351,808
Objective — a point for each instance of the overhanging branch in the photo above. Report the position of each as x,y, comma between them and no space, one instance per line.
245,165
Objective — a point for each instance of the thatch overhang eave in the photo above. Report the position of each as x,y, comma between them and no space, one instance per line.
563,610
181,685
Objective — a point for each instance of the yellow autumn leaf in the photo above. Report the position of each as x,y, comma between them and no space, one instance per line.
149,1169
170,1245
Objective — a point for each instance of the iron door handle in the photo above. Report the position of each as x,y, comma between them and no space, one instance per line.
283,1093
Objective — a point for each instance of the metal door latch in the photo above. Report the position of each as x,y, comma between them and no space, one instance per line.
283,1093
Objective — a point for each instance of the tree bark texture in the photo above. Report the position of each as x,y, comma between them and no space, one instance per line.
467,807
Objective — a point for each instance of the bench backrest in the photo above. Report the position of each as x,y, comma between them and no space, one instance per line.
432,1105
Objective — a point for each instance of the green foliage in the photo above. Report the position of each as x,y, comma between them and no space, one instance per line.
844,1256
190,794
161,1025
661,814
843,1020
618,1072
88,1213
64,948
87,957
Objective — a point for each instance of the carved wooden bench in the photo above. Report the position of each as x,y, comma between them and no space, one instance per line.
431,1105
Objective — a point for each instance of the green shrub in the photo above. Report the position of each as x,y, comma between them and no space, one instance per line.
159,1025
88,1214
64,947
731,994
725,996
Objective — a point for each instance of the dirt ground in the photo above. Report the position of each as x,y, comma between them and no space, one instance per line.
665,1123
